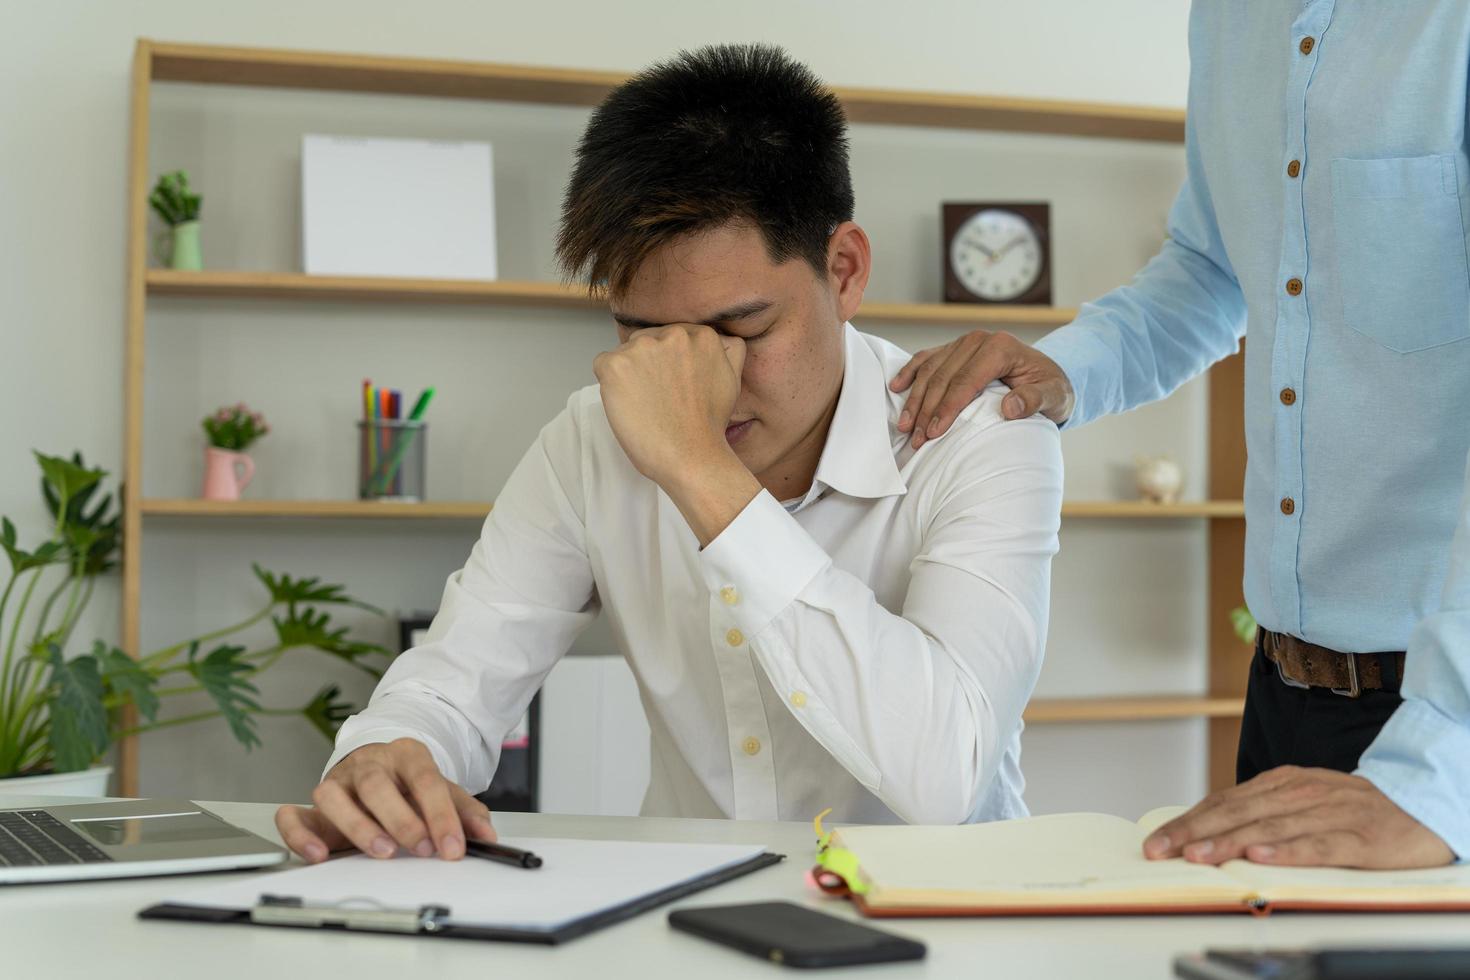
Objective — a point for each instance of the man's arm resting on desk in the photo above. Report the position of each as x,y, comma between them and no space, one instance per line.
403,768
383,796
1421,759
1408,805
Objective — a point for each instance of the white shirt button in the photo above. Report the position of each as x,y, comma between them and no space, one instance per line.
734,638
798,699
751,745
729,596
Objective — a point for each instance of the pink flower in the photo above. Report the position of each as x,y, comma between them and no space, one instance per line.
223,415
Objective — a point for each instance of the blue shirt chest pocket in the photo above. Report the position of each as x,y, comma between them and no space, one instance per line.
1401,260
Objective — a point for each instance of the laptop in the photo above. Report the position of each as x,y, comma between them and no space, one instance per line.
123,839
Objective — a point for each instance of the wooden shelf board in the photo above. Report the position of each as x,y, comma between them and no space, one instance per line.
1144,509
277,68
235,284
1062,710
964,314
474,510
356,509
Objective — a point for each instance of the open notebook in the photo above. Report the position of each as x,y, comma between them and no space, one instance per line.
583,885
1093,864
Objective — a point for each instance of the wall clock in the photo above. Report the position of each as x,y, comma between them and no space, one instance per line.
997,253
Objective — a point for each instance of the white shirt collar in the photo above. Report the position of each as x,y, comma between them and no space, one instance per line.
858,457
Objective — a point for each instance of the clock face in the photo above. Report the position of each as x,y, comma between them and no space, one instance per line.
997,255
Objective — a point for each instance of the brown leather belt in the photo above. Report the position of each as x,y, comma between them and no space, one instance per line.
1348,674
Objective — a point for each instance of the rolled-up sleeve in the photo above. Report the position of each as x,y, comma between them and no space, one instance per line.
1421,759
1183,312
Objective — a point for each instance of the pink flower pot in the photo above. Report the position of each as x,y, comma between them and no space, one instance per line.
226,473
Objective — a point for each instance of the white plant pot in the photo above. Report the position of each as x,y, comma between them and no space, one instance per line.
84,782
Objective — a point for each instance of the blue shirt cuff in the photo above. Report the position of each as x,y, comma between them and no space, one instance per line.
1421,761
1068,346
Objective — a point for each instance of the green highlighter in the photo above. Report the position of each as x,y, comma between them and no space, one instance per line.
390,469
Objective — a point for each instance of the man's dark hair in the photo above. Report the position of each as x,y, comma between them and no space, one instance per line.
725,133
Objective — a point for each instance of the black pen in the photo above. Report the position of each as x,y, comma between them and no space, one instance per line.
503,853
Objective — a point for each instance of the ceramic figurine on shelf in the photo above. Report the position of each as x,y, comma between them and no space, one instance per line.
173,201
1159,478
227,470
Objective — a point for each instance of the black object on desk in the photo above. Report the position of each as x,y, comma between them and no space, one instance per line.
503,853
1404,963
794,935
437,921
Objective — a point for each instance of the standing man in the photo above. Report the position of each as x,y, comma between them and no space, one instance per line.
1324,209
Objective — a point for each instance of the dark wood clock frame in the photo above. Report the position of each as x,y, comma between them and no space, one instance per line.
1036,214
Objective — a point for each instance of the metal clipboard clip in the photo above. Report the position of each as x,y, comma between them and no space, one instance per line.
366,914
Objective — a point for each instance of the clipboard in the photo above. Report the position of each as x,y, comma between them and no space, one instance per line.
275,905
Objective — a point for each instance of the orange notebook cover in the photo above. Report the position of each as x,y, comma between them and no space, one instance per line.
1093,864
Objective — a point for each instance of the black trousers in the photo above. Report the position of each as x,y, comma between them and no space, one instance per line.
1285,725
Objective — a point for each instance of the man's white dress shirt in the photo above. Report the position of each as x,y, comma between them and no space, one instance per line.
870,650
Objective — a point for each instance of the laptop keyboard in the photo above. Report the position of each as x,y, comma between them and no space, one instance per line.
35,837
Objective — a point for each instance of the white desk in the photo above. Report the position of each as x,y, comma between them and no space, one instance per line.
90,928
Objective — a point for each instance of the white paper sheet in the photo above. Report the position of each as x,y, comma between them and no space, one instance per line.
397,207
579,878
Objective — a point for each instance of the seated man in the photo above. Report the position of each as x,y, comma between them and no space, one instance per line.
816,614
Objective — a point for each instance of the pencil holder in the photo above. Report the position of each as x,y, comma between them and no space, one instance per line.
390,460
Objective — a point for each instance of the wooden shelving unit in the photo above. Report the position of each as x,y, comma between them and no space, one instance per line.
1143,510
1063,710
579,87
475,510
317,509
351,289
156,62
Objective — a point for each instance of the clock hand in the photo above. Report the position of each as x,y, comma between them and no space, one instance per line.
981,246
1018,240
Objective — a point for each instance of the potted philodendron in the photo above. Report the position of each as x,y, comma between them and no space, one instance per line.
60,714
1244,624
178,207
231,431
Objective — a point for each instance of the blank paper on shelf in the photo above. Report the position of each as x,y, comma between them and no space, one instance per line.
580,878
397,207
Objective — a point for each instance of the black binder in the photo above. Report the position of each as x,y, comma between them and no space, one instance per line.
437,920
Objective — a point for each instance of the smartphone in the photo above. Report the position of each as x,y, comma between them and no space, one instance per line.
794,935
1326,964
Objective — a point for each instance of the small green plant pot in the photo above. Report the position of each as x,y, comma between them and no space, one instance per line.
184,250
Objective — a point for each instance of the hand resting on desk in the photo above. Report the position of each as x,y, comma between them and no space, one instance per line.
383,797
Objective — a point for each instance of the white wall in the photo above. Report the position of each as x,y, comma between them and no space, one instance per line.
1128,602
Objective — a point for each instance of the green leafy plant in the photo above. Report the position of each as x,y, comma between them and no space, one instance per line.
172,200
235,427
60,713
1244,624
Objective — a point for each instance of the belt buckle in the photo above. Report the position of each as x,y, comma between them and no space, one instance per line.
1354,689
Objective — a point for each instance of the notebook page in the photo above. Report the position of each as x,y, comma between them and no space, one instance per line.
579,878
1157,817
1064,859
1355,887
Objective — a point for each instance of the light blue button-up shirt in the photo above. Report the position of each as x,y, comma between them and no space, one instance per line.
1374,346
